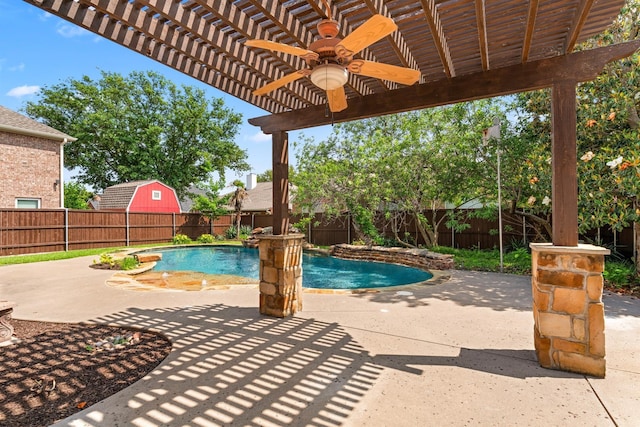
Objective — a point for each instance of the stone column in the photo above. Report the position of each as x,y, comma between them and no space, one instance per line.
567,307
281,275
6,329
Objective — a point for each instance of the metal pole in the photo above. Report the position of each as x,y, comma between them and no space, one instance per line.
500,216
66,230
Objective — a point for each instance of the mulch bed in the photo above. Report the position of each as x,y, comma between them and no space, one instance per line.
57,370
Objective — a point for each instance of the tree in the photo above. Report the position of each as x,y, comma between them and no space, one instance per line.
141,127
212,205
237,200
385,168
608,135
266,176
76,196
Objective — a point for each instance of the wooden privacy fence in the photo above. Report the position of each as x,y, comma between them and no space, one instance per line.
481,233
25,231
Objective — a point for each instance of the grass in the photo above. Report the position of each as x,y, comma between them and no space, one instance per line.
54,256
516,262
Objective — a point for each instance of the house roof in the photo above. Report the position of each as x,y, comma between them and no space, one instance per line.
119,196
186,203
13,122
260,198
463,49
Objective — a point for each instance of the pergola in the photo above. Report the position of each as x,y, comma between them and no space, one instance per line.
463,50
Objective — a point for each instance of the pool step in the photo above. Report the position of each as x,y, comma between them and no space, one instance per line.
148,257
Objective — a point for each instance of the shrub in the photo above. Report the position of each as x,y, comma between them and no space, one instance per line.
128,263
107,259
230,233
619,274
181,239
219,237
206,238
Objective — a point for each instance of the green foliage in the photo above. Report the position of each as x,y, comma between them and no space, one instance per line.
232,232
516,262
206,238
181,239
385,168
619,273
141,126
107,259
211,204
127,263
76,196
266,176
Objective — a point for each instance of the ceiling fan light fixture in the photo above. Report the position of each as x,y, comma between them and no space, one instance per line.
329,76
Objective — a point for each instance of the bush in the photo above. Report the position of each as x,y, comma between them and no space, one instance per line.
206,238
127,263
181,239
230,233
106,259
619,274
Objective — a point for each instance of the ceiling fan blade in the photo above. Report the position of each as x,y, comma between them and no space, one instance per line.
337,99
279,47
406,76
278,83
371,31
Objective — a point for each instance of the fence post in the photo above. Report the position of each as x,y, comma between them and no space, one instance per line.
310,227
173,224
127,226
66,230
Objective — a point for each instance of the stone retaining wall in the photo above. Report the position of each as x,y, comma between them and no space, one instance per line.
419,258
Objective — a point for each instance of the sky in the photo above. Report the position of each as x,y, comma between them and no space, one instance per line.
38,49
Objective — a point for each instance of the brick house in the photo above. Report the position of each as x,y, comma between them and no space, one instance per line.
138,196
31,162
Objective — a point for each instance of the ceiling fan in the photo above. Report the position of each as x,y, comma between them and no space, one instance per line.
330,59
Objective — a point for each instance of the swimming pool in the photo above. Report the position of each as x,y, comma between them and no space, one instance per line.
319,271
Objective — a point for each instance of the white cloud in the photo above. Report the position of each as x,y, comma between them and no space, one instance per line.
260,137
19,67
45,16
21,91
69,31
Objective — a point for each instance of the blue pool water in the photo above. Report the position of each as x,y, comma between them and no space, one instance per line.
318,271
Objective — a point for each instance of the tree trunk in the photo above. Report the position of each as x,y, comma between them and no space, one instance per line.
636,239
426,234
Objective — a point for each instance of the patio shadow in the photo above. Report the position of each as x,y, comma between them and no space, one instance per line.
511,363
495,291
230,365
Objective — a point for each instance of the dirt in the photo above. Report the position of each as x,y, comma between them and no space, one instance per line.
56,369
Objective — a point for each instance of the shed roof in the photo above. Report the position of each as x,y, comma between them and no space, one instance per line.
13,122
119,196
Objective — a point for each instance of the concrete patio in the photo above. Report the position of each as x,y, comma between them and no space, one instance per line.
456,353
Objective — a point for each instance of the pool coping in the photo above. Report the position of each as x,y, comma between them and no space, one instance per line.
125,279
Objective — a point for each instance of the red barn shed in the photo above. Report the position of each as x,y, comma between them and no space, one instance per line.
139,196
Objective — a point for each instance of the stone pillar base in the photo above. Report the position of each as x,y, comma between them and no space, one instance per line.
6,329
567,307
281,275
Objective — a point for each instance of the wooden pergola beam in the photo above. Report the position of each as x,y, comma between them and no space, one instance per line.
531,25
437,32
580,67
564,170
